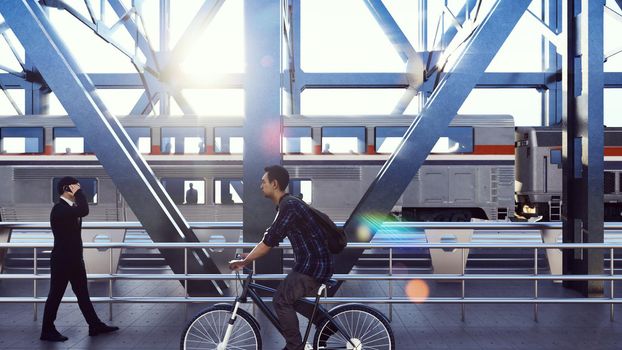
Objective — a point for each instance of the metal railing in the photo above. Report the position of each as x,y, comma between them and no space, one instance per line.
390,276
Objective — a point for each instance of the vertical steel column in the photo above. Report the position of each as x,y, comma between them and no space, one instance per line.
262,127
165,21
552,63
297,85
583,141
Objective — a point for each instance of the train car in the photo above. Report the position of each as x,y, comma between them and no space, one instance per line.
332,161
539,171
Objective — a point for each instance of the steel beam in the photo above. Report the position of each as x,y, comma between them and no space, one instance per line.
107,138
391,29
419,139
262,126
583,141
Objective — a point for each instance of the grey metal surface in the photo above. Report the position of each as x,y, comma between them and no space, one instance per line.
262,127
114,149
442,106
583,139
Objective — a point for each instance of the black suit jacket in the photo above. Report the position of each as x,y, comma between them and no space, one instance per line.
66,222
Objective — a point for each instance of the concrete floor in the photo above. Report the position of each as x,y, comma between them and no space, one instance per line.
416,326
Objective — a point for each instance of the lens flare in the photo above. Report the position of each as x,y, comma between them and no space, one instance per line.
417,291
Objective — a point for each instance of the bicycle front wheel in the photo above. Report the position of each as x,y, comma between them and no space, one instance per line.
366,327
207,330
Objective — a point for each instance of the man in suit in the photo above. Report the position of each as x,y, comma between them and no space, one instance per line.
67,263
192,195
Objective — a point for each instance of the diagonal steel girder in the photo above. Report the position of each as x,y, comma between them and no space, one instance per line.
202,19
111,144
419,139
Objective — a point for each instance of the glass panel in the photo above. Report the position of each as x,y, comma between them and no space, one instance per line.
359,46
613,107
457,139
228,191
351,101
228,140
141,137
22,140
388,138
87,185
68,140
301,189
525,105
183,140
343,140
185,191
297,140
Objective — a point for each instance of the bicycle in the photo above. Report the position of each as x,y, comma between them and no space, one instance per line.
227,326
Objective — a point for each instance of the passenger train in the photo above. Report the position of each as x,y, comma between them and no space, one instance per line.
483,167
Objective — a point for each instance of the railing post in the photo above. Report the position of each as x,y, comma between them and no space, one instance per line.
611,272
535,284
462,306
391,284
34,283
110,287
186,282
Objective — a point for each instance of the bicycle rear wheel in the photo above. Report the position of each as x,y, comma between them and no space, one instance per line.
366,326
207,330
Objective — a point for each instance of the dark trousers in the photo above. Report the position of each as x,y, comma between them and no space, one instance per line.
63,272
293,287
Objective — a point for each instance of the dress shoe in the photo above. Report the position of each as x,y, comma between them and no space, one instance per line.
101,329
52,336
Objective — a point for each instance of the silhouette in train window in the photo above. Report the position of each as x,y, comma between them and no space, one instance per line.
228,191
69,140
141,137
182,140
297,140
344,139
21,140
228,140
179,189
88,186
191,195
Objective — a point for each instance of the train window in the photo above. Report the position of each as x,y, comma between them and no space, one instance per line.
228,191
343,140
301,189
457,139
141,137
69,140
185,191
228,140
183,140
388,138
87,184
21,140
556,157
297,140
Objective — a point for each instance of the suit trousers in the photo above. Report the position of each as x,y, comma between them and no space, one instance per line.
295,286
65,271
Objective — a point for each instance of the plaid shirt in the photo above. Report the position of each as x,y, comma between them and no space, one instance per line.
296,221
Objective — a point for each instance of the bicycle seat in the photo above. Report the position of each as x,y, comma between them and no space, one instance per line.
331,283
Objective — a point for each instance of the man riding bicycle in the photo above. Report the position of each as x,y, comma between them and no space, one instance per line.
312,259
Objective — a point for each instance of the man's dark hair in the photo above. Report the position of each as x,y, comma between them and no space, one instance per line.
278,173
65,181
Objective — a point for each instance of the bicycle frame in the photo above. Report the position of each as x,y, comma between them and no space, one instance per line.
250,289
